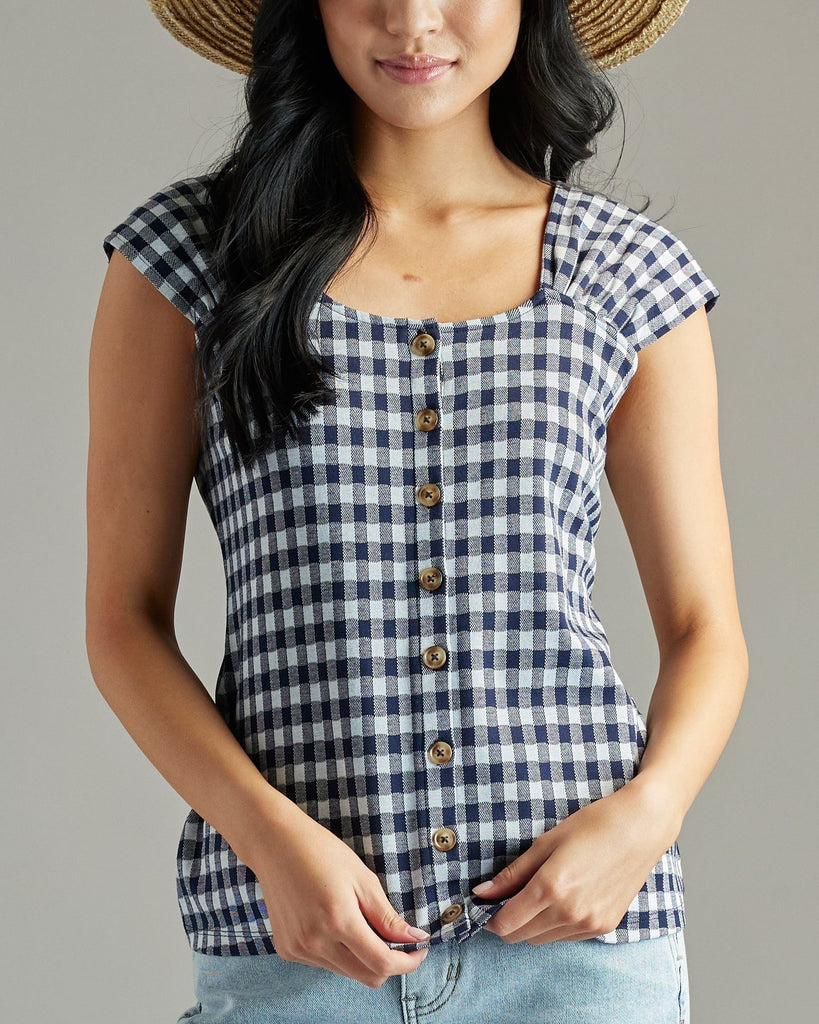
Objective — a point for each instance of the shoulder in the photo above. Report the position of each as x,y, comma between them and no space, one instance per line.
166,238
626,267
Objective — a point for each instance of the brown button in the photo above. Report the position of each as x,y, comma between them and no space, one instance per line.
429,494
452,913
434,657
426,419
431,578
422,344
443,839
439,752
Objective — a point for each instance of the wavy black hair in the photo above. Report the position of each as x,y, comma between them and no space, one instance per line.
285,209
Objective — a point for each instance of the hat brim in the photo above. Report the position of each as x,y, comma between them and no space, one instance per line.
613,31
219,30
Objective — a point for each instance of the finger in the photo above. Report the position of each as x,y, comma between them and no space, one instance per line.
383,918
514,876
349,963
376,955
545,928
340,959
560,934
523,908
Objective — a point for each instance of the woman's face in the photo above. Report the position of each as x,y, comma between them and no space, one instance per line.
477,36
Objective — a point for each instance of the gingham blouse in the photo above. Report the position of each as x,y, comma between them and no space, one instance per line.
411,650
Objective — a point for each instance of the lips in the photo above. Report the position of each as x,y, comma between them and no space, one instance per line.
421,61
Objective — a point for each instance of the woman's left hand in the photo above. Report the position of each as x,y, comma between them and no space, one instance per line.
578,879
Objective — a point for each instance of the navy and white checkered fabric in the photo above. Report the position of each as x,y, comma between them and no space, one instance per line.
323,679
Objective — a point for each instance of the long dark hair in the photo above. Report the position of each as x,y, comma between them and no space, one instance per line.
286,209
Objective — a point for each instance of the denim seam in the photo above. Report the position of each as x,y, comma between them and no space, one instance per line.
435,1004
678,965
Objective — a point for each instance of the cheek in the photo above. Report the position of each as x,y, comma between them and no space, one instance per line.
487,33
352,61
491,32
347,29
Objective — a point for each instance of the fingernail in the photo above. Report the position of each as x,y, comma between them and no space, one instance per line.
483,887
417,933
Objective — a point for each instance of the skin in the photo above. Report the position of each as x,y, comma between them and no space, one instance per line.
663,468
455,238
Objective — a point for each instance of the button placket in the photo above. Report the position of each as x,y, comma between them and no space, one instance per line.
433,636
458,912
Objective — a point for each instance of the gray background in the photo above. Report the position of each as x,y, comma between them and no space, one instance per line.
101,108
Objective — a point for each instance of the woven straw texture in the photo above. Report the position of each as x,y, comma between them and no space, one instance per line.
613,31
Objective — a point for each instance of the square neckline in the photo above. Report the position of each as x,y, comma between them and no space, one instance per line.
556,208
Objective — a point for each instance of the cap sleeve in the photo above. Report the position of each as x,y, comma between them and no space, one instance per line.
164,238
660,283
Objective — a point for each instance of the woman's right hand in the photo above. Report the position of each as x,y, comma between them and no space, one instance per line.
328,909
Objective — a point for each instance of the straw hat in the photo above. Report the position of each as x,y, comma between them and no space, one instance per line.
613,31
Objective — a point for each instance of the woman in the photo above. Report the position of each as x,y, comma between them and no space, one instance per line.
416,694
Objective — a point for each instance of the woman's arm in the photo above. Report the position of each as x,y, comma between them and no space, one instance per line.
663,466
327,908
142,455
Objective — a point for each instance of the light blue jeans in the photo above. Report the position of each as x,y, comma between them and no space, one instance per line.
482,980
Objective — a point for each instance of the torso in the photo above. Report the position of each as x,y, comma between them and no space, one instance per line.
323,538
477,268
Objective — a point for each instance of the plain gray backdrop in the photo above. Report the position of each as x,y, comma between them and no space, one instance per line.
102,107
